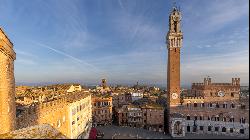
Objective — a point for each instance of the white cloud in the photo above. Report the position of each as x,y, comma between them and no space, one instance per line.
216,14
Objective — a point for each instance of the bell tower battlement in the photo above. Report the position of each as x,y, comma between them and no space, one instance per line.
175,35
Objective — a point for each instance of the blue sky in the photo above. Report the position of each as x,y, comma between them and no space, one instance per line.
124,40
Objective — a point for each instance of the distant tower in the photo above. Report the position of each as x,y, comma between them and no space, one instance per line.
7,85
104,83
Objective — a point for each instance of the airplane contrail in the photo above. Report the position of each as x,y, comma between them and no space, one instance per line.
67,55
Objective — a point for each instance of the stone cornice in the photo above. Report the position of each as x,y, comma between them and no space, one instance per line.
11,44
8,51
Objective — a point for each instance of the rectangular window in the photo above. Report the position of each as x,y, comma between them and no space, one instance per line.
209,128
216,128
242,131
231,130
201,128
188,128
232,94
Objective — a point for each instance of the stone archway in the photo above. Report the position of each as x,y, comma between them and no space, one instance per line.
178,128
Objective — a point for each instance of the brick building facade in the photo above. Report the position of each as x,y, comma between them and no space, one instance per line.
211,108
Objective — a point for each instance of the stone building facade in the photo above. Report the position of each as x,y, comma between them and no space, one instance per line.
215,108
121,99
134,116
150,116
7,84
153,117
102,110
70,114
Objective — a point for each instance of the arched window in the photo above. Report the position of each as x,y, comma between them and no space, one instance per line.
232,105
208,118
232,94
217,118
175,26
210,105
188,117
231,119
201,117
224,119
195,104
242,120
195,117
224,105
202,104
188,104
217,105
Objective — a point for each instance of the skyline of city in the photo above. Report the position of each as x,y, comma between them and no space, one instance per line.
84,41
119,69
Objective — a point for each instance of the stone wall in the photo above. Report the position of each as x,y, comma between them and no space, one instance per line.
7,85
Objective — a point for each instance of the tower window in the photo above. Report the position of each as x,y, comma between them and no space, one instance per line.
175,26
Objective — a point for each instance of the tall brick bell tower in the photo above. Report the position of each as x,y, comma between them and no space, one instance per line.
174,44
